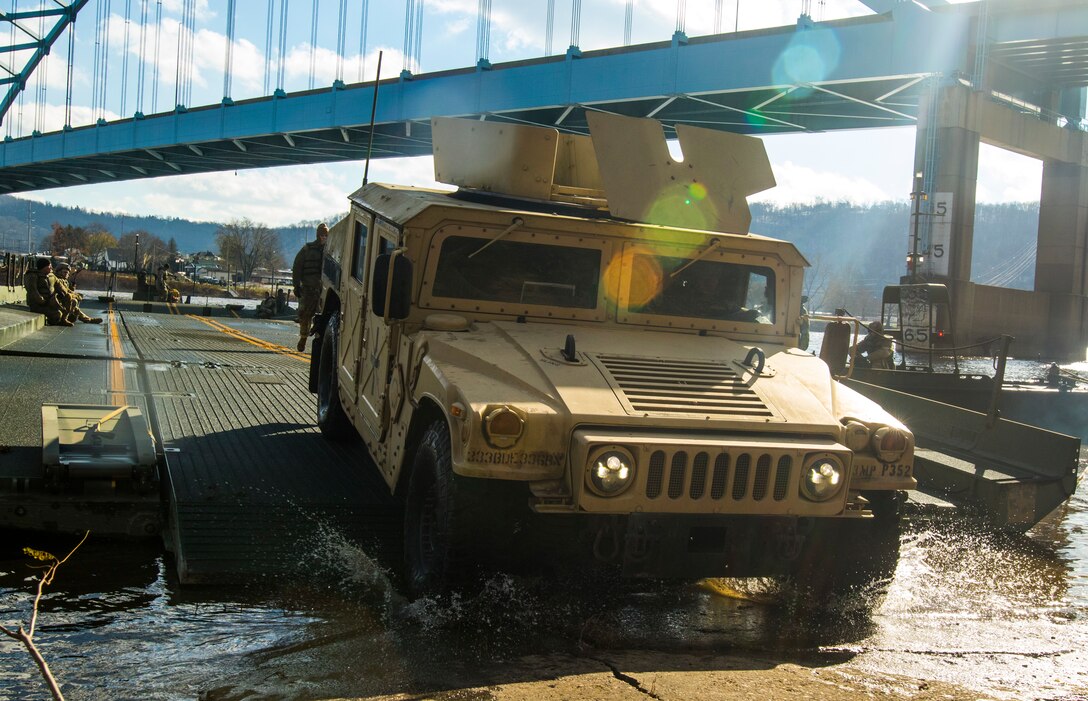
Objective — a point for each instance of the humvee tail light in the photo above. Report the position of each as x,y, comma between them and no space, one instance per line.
889,443
610,472
856,436
503,427
823,479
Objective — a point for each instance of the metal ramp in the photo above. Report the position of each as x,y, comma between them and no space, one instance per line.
253,490
1014,474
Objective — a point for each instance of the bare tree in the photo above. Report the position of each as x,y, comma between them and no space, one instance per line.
152,249
247,245
26,635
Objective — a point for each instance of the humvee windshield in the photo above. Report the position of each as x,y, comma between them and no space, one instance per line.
704,289
551,274
517,272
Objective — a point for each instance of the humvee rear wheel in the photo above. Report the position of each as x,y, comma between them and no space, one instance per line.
331,418
437,514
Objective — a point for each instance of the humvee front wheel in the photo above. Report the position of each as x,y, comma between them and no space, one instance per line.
438,509
331,418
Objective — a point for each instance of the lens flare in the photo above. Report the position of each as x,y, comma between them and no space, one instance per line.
811,57
679,206
646,276
696,192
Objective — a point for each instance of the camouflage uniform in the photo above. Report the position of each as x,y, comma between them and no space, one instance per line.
306,276
41,296
69,299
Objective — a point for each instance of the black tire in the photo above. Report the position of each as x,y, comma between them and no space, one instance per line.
439,511
843,557
331,417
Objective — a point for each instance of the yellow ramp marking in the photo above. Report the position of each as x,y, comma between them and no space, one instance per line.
116,367
260,343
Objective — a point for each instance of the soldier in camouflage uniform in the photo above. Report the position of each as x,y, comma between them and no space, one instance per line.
69,298
306,276
41,293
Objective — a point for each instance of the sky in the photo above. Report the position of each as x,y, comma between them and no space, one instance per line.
808,167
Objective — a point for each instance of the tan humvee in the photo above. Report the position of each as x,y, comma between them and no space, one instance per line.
513,353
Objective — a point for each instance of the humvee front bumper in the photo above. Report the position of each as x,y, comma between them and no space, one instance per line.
707,474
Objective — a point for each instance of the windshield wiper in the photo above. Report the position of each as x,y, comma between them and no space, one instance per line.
518,221
714,243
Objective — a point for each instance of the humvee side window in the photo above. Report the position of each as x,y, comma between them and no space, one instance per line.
704,289
517,272
358,252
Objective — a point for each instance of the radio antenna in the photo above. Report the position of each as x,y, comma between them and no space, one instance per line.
373,112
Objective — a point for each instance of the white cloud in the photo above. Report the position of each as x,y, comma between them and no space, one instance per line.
798,183
1004,176
272,196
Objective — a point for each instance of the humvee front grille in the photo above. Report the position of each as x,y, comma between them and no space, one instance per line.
739,477
663,386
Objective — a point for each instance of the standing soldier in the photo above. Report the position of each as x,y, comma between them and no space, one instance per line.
69,298
161,286
41,293
306,276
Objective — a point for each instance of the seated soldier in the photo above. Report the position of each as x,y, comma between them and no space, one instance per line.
875,350
69,298
41,293
267,308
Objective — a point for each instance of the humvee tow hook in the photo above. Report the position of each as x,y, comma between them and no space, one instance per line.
760,356
570,352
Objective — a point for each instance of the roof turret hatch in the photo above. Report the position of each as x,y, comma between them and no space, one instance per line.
623,166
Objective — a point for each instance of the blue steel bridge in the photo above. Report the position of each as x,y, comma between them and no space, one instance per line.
871,71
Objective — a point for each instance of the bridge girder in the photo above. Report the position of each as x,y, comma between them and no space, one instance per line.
63,16
878,70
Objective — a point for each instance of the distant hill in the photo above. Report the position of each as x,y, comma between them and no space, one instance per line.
854,250
191,236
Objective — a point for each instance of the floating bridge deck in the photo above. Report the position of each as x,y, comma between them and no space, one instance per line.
248,485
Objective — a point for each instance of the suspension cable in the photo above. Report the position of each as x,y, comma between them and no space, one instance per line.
362,39
409,35
575,21
629,20
42,76
11,59
227,60
268,46
124,58
718,16
283,44
155,82
71,66
106,14
141,70
550,27
419,36
313,39
341,39
483,30
681,15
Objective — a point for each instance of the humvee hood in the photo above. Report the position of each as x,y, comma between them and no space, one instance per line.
644,376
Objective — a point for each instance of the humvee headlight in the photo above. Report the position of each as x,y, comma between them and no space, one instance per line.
503,427
610,472
822,480
889,443
856,436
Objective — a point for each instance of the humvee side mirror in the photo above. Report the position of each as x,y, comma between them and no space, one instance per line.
391,287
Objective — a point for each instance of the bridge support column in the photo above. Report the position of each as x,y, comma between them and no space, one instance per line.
1052,320
1060,268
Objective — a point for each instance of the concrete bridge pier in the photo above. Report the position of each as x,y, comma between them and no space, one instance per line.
1051,320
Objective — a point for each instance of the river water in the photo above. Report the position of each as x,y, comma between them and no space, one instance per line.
1006,615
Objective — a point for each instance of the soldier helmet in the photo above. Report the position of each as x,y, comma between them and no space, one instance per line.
63,266
876,327
43,263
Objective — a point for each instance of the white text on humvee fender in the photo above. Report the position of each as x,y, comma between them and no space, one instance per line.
515,353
